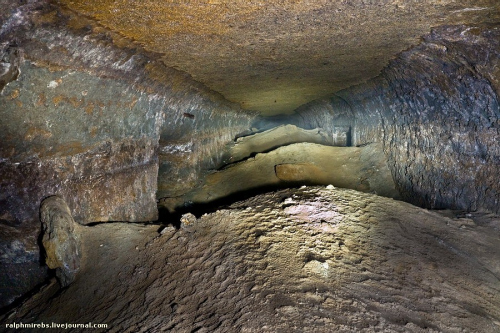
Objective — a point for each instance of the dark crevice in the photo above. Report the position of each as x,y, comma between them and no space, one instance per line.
93,224
349,137
23,298
199,209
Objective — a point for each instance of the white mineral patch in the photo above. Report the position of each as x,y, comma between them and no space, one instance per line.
53,84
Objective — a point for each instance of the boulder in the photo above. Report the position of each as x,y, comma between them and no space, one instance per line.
60,241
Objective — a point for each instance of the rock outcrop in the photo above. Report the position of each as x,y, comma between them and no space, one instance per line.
92,117
436,110
314,259
61,239
263,142
296,164
96,116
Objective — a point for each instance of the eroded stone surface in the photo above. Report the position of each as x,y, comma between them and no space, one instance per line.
360,168
276,137
11,58
305,260
92,117
61,239
436,110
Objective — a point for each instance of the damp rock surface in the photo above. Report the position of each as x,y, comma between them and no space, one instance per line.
313,259
95,119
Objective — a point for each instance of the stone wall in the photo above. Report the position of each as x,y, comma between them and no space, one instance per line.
193,140
442,123
332,114
91,117
436,109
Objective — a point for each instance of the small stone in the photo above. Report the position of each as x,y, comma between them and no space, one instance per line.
187,219
330,187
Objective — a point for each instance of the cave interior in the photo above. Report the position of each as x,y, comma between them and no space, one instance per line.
251,166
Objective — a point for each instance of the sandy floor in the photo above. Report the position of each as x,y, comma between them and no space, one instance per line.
313,259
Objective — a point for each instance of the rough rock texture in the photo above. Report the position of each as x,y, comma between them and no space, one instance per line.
194,142
20,261
436,110
293,164
95,116
266,141
329,114
273,56
305,260
91,117
61,239
448,153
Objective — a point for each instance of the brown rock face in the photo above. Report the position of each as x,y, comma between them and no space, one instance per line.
98,124
360,168
297,172
436,110
61,239
112,105
273,56
304,260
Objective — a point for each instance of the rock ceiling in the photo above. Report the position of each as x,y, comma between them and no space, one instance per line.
273,56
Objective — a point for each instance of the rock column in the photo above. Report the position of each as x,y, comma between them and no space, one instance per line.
60,241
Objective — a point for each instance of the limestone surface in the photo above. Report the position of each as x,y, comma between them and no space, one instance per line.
313,259
436,110
96,120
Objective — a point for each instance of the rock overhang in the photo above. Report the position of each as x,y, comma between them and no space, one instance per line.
274,56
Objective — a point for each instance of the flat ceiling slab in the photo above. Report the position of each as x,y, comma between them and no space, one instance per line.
273,56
